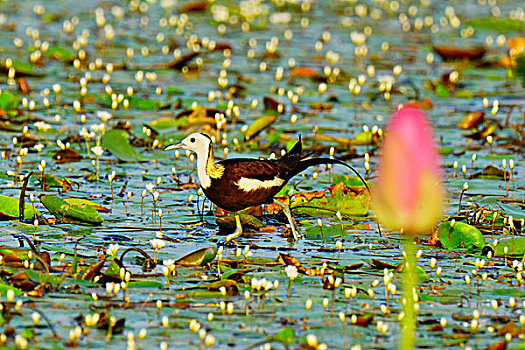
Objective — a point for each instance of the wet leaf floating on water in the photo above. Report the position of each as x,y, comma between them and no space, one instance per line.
83,214
23,68
460,235
10,208
448,53
258,125
511,247
67,156
8,101
285,336
348,200
82,202
116,142
471,120
60,53
200,257
53,181
247,220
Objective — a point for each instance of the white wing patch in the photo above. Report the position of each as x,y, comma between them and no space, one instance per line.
247,184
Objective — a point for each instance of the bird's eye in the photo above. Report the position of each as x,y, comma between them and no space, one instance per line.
192,140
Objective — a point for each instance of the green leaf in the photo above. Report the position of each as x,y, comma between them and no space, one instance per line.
441,91
8,101
145,284
347,180
363,137
327,231
24,68
116,142
199,257
517,214
503,24
460,236
515,247
143,104
5,287
520,68
60,53
259,125
9,208
351,201
285,335
81,202
68,213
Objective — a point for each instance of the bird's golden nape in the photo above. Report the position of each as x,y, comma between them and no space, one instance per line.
238,183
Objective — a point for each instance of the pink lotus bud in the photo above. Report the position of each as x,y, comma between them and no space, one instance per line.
408,193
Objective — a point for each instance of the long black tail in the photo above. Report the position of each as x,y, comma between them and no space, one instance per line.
304,164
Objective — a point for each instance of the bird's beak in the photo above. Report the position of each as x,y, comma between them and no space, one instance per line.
174,146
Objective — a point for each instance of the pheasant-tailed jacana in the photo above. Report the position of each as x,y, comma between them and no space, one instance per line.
239,183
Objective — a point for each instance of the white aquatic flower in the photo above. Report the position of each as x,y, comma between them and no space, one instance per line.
291,272
42,126
150,187
104,115
97,150
113,249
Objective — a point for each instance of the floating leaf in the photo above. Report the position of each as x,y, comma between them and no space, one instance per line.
471,120
67,156
231,286
327,231
8,101
23,68
68,213
285,336
116,142
10,208
5,287
60,53
81,202
503,24
199,257
247,220
448,53
259,125
515,247
348,200
460,236
516,213
57,182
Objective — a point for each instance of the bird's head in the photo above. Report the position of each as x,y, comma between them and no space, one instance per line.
197,142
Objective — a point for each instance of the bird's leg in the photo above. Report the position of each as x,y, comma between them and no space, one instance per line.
288,213
238,228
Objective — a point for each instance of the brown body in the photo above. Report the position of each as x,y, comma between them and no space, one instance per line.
226,194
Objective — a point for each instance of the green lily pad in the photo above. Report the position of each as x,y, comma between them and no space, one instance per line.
285,336
67,213
8,101
460,236
9,208
327,231
60,53
116,142
517,214
259,125
24,68
351,201
199,257
515,247
5,287
503,24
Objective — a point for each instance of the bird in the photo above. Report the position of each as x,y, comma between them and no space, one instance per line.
237,183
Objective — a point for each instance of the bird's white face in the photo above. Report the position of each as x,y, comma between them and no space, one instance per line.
196,142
